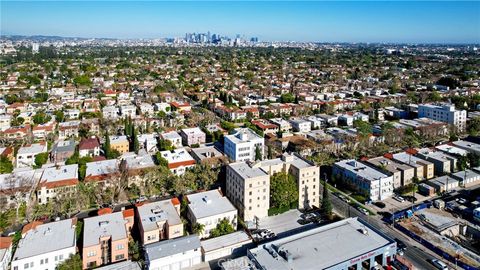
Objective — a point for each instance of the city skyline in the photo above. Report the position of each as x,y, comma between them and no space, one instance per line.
382,22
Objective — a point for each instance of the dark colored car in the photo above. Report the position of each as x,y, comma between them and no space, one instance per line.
380,204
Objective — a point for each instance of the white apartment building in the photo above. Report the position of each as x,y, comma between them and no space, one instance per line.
300,125
5,122
179,253
45,246
283,125
209,208
26,154
110,112
173,137
372,183
128,111
148,141
242,145
444,113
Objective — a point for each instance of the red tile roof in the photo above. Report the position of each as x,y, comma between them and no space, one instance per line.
89,143
5,242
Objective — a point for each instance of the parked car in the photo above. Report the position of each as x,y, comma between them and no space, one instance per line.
439,264
380,204
399,198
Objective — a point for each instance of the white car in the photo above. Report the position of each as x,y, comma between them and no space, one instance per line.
439,264
399,198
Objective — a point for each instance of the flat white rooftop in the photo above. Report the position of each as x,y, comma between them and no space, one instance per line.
322,247
209,203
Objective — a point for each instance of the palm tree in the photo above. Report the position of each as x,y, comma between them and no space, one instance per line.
198,228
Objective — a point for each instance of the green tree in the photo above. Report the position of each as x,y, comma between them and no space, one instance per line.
59,116
473,127
223,227
258,153
198,228
74,262
287,98
82,80
164,145
283,190
40,159
41,118
473,159
326,207
136,144
6,165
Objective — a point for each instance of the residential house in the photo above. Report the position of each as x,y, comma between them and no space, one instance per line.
173,137
192,136
89,147
62,150
209,208
56,182
178,160
26,154
120,143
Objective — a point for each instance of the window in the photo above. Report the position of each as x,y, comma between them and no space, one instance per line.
90,253
46,260
25,266
41,261
119,257
56,258
60,257
120,246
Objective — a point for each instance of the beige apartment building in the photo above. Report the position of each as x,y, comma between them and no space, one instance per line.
248,186
120,143
423,169
249,190
159,220
105,240
305,173
402,173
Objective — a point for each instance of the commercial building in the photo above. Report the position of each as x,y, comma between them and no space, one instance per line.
119,143
44,246
179,160
249,190
423,169
179,253
56,182
368,181
443,163
402,173
225,245
444,113
209,208
346,244
243,145
105,240
192,136
159,220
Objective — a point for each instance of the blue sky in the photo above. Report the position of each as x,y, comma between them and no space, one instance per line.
322,21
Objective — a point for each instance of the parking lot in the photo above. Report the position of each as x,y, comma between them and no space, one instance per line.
281,223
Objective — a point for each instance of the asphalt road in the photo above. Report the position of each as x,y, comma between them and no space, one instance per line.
414,253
